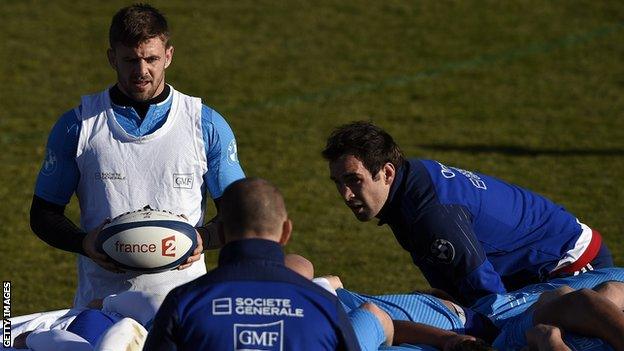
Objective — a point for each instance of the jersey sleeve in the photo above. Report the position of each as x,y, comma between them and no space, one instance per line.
450,255
59,175
162,335
347,336
221,153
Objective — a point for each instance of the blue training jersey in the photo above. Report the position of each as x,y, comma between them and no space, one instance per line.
251,302
414,307
511,312
472,234
59,174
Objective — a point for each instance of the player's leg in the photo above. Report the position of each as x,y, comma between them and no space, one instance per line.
585,312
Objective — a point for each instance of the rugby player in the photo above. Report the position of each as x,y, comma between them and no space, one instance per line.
251,300
587,307
470,234
85,328
139,142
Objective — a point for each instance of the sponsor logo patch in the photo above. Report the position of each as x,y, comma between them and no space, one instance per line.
50,163
120,246
449,172
222,307
109,176
442,251
183,180
168,246
265,337
232,152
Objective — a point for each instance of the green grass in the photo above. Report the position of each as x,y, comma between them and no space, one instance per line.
528,91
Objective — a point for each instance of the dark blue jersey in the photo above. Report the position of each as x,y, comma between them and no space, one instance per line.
251,302
471,234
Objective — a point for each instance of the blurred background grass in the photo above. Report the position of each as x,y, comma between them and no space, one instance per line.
528,91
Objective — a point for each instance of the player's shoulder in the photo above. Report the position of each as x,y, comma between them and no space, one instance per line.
68,123
211,116
251,272
71,116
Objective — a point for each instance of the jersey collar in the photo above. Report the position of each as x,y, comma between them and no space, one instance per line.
251,249
386,210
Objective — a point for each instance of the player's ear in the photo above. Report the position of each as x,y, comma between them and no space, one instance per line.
110,54
168,56
389,172
286,231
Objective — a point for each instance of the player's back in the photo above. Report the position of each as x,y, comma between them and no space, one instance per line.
256,315
414,307
251,304
516,227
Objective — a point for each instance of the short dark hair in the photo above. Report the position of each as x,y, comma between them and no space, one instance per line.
252,205
137,23
367,142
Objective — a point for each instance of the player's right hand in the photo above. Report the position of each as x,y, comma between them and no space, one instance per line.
89,247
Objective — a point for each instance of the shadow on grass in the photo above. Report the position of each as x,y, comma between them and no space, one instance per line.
512,150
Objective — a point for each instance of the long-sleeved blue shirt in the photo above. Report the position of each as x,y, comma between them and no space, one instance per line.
251,301
472,234
59,174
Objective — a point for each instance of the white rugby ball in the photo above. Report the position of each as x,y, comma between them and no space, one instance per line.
148,241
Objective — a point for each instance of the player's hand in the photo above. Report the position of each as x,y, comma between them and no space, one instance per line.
334,281
453,341
90,249
196,256
545,337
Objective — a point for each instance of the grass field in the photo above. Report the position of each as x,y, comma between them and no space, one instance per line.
529,91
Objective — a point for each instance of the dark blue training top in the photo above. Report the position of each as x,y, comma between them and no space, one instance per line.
251,302
471,234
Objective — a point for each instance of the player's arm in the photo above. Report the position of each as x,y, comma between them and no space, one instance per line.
49,223
223,166
56,183
209,233
450,255
583,311
223,169
407,332
162,335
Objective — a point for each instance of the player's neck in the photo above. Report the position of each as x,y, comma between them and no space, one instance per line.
141,107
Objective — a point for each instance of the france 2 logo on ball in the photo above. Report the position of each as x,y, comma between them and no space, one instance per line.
148,241
168,246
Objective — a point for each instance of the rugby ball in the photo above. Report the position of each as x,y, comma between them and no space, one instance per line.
148,241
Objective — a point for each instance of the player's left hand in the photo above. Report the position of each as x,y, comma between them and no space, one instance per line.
196,256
